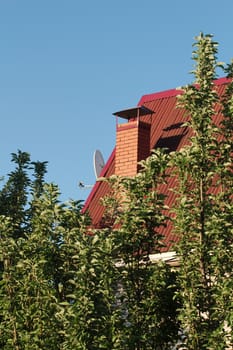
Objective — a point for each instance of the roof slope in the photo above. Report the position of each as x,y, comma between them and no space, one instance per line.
166,131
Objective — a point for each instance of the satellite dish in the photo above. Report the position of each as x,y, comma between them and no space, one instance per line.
98,161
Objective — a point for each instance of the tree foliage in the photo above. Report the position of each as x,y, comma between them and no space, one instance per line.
66,286
204,208
146,289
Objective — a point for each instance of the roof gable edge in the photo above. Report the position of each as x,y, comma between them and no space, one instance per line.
97,184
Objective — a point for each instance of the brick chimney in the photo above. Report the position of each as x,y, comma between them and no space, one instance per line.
132,141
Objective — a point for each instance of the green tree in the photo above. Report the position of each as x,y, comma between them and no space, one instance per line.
91,318
145,290
35,266
204,208
57,284
14,194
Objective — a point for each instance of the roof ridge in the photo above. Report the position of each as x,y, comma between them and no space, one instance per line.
174,92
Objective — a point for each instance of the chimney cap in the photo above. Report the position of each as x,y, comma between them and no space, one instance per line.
134,112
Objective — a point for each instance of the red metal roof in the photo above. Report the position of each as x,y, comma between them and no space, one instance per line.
166,131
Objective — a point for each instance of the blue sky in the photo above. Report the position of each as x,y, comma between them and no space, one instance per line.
67,65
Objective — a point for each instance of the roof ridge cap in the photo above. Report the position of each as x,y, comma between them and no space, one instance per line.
174,92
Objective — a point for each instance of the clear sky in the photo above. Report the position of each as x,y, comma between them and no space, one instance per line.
67,65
